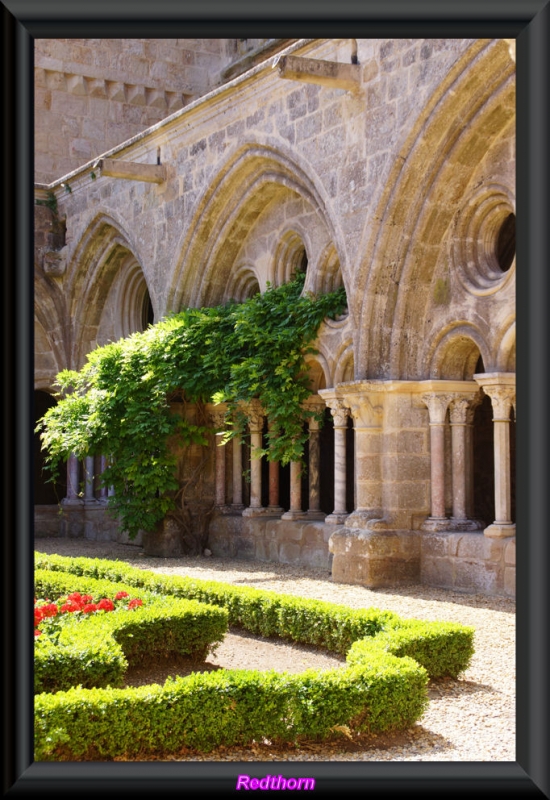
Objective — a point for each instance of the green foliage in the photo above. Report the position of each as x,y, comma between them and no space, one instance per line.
382,688
118,404
93,651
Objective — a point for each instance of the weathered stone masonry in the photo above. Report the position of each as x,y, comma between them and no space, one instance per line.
387,167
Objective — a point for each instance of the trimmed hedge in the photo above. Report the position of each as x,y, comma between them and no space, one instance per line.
95,650
382,688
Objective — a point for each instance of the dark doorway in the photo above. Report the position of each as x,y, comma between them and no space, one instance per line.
46,493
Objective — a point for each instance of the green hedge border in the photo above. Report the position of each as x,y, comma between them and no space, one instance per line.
382,688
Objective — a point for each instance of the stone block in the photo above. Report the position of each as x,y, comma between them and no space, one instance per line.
437,545
289,553
436,571
315,557
479,577
510,581
510,552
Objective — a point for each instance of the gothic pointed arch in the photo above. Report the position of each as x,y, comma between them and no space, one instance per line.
109,292
258,179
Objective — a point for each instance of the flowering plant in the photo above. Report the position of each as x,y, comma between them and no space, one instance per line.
48,613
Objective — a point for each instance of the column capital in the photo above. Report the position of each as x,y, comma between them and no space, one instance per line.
255,414
340,413
216,415
437,404
501,388
462,408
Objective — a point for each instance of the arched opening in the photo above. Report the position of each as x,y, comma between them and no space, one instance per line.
506,243
147,313
46,493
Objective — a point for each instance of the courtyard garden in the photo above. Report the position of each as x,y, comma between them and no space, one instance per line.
96,617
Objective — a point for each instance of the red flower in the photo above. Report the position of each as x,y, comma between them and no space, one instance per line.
89,608
135,602
120,595
106,605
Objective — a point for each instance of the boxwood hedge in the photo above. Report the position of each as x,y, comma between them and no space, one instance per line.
382,687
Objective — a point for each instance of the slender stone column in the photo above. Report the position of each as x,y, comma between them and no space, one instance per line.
89,498
340,414
470,416
256,424
501,388
461,465
72,498
295,492
103,490
314,511
217,418
437,404
273,507
237,504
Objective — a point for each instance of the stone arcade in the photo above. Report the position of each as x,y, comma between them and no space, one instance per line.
178,173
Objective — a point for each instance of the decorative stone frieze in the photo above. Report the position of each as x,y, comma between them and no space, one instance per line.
501,388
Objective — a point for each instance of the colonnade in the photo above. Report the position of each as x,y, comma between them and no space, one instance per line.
449,403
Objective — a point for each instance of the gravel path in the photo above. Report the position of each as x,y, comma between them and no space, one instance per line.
469,719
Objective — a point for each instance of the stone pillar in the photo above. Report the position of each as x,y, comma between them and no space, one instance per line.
256,424
340,414
217,419
237,504
89,498
72,498
367,411
437,403
273,507
462,465
314,511
295,510
501,388
103,490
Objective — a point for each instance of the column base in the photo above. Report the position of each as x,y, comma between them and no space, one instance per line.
500,530
465,524
224,509
336,518
436,525
237,508
274,511
91,501
293,515
72,501
320,515
254,511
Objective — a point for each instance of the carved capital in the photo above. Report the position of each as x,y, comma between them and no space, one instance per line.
437,406
502,400
340,413
256,416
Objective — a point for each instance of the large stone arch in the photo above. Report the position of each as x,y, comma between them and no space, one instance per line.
253,177
103,258
472,106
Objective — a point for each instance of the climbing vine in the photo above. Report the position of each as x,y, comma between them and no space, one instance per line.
118,404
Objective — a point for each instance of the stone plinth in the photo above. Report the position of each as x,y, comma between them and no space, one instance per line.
269,539
469,562
372,559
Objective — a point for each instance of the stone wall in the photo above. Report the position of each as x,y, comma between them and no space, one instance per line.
93,94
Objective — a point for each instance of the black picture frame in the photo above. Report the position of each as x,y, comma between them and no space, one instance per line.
527,21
